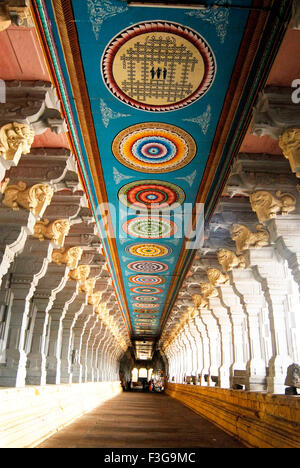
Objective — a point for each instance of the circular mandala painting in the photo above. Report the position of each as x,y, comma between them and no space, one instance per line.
148,250
154,147
150,227
143,305
146,298
142,311
147,195
146,290
147,266
146,280
158,66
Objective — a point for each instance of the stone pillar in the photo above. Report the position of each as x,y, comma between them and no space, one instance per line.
221,314
237,316
79,329
202,329
196,344
68,354
28,270
86,346
284,233
15,230
249,290
43,299
6,299
272,273
214,345
57,313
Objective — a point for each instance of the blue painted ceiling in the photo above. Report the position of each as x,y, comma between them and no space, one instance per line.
194,123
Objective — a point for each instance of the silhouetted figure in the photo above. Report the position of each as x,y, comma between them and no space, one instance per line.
165,73
152,73
158,72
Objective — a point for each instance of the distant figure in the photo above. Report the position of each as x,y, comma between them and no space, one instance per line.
128,385
152,73
158,72
165,73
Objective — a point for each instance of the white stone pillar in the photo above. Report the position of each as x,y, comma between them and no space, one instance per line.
272,272
202,329
222,316
253,301
214,345
237,316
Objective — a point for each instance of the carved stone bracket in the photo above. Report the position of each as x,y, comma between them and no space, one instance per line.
15,12
289,143
34,199
229,260
34,103
275,112
267,206
55,231
244,238
68,257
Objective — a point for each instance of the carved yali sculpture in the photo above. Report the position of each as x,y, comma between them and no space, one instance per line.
229,260
16,12
289,143
87,286
15,139
244,238
80,274
267,206
200,302
55,231
94,299
208,290
68,257
216,277
35,198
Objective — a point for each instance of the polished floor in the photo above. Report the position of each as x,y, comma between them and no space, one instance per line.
141,420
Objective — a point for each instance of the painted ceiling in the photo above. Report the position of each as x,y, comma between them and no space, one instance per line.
156,80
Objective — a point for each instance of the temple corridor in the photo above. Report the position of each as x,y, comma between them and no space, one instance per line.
149,223
141,420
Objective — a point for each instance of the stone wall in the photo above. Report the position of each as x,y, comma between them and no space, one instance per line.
31,414
260,420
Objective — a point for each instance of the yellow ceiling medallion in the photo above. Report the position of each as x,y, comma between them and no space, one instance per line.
158,66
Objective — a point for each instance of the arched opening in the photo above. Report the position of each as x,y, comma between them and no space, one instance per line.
143,373
134,375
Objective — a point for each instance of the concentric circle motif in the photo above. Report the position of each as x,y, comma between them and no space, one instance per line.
158,66
148,250
146,298
146,280
149,316
143,305
150,227
154,147
145,266
148,195
144,290
144,311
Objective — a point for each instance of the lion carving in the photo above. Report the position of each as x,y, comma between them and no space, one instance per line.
266,206
200,302
55,231
229,260
35,198
216,277
244,238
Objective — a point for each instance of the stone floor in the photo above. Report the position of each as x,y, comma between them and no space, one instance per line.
141,420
